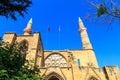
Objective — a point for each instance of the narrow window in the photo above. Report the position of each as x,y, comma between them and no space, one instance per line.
78,62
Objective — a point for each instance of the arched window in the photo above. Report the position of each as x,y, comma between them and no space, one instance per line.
93,78
55,60
23,46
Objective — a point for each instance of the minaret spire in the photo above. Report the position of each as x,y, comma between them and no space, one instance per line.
30,21
28,29
79,19
84,36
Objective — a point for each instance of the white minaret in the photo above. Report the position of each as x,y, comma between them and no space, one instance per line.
84,36
28,29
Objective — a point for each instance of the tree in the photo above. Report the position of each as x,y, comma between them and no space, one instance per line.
107,10
13,66
9,8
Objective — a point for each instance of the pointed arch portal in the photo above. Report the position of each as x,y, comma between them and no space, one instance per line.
53,76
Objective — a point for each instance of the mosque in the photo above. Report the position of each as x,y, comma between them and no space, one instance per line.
63,64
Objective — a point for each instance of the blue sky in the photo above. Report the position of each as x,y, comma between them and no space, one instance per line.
65,13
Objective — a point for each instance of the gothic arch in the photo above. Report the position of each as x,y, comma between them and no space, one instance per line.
24,43
23,46
56,53
53,76
92,78
55,59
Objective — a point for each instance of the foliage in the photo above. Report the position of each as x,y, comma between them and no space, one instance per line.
101,10
9,8
13,65
106,10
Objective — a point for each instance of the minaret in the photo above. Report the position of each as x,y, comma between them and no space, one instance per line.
28,30
84,36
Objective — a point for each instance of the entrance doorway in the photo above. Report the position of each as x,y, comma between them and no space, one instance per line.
53,78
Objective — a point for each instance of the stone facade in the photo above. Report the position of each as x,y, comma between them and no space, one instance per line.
64,64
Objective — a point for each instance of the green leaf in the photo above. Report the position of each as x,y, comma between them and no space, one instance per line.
101,10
